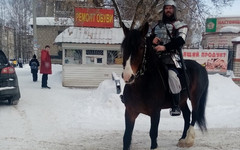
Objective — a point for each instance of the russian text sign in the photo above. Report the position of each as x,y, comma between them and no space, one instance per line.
92,17
214,60
216,24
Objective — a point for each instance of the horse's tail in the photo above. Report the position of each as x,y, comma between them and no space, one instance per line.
201,120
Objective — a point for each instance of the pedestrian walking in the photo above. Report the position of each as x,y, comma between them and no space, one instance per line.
34,64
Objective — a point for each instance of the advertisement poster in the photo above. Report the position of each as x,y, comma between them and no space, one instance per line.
93,17
219,41
214,60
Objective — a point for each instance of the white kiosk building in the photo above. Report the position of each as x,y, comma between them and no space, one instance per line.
90,55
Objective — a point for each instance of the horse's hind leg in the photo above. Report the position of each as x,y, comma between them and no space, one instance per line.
155,117
188,135
186,116
129,125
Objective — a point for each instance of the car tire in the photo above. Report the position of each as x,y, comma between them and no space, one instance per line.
12,102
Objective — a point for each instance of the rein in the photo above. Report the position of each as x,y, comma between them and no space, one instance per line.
142,70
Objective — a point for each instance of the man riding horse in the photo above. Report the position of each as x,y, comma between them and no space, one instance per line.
168,37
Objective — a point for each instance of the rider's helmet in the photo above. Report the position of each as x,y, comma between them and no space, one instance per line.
170,2
166,19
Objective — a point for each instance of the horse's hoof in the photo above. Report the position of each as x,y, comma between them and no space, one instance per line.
180,143
183,143
156,149
189,140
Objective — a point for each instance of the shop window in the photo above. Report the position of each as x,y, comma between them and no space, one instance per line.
94,52
94,57
73,56
114,57
99,60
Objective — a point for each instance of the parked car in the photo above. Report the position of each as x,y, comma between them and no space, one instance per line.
9,89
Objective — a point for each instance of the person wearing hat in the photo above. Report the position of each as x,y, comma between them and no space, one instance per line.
34,64
168,36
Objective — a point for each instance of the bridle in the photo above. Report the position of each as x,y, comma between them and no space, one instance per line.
142,69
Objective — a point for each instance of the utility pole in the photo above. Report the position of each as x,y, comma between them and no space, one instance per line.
35,45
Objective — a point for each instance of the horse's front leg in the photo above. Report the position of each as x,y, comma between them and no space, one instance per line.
129,125
155,118
188,136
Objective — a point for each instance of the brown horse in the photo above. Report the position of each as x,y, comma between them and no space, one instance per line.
146,90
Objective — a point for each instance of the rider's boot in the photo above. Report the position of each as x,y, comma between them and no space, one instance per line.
121,97
175,110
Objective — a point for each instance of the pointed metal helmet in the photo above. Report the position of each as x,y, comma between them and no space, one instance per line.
170,2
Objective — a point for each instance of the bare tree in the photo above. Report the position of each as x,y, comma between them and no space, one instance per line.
192,12
64,8
19,15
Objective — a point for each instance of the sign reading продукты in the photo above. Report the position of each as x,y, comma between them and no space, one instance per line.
92,17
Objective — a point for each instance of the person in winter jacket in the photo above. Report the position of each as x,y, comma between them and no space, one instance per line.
46,66
34,64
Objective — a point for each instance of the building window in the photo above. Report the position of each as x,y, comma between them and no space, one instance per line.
114,57
94,52
73,56
94,57
99,60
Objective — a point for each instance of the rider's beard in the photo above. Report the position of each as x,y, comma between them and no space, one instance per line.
168,17
169,14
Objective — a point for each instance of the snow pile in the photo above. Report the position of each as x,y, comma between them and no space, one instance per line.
232,29
91,35
237,39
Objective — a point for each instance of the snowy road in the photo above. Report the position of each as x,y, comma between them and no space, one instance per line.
220,139
92,119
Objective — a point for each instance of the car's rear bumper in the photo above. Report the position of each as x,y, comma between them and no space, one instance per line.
9,92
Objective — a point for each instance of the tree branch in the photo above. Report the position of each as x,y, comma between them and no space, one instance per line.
118,13
148,14
135,13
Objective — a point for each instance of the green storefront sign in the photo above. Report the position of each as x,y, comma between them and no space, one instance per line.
211,24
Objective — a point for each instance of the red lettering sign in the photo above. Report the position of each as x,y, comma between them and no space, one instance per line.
213,60
91,17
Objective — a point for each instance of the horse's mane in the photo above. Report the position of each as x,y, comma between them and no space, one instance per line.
131,41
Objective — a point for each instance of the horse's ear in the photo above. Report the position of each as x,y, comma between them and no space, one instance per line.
125,29
144,29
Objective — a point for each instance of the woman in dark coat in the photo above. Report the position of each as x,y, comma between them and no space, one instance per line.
34,64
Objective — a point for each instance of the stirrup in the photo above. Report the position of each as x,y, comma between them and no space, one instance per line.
175,111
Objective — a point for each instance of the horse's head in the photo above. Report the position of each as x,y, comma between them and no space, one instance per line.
133,47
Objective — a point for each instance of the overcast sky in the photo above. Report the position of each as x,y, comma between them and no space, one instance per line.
232,11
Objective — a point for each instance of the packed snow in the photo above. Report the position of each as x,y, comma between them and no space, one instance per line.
63,118
232,29
236,39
